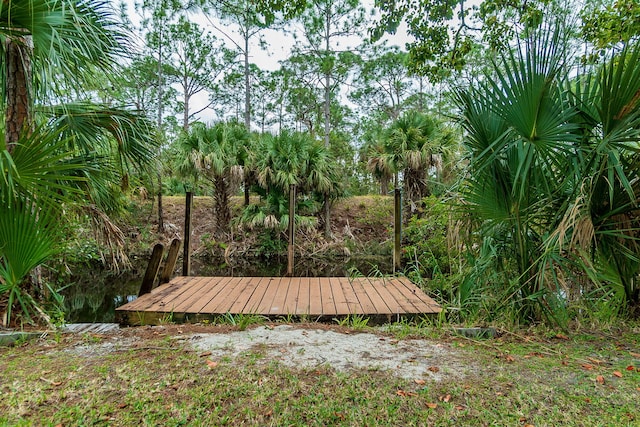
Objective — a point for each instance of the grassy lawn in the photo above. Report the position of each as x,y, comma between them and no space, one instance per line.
540,379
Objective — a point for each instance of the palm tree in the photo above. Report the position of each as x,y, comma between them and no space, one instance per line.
552,173
62,155
372,153
290,158
416,144
217,153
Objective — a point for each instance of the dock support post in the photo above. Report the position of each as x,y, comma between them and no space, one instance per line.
170,263
397,230
152,270
186,257
292,229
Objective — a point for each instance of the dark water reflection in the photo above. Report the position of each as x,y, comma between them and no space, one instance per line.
94,294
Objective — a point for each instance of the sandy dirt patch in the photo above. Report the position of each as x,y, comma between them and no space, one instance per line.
309,348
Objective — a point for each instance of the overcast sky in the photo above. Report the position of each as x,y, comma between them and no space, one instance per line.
279,46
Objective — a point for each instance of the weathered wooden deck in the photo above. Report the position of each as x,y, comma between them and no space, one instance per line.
191,299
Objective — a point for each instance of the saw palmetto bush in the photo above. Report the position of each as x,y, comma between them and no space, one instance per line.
61,154
553,179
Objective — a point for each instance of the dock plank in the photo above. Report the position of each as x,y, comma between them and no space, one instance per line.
278,296
189,297
226,298
328,301
416,295
339,299
315,297
265,306
158,294
279,303
216,288
350,296
363,297
290,304
303,303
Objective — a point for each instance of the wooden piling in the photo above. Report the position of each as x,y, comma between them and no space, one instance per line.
186,257
292,229
170,263
152,270
397,230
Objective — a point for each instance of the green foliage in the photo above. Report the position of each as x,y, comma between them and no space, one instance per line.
241,321
611,23
447,33
426,244
27,239
270,244
551,156
353,321
62,156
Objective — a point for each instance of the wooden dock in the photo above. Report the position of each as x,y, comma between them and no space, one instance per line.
194,299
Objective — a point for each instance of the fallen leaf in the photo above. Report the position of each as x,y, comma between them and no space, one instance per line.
564,363
58,425
459,407
53,383
211,364
122,405
600,379
617,374
635,354
586,399
445,398
432,405
340,415
630,368
433,369
404,393
509,358
596,361
419,382
205,354
562,337
528,425
269,413
587,366
522,420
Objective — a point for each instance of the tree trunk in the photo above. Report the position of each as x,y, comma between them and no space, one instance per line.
160,93
222,213
327,120
185,117
18,88
384,187
246,192
247,87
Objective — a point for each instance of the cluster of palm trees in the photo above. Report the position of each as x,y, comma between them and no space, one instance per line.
414,151
226,156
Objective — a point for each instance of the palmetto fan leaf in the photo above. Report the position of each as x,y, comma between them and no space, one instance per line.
41,165
66,37
90,128
27,238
